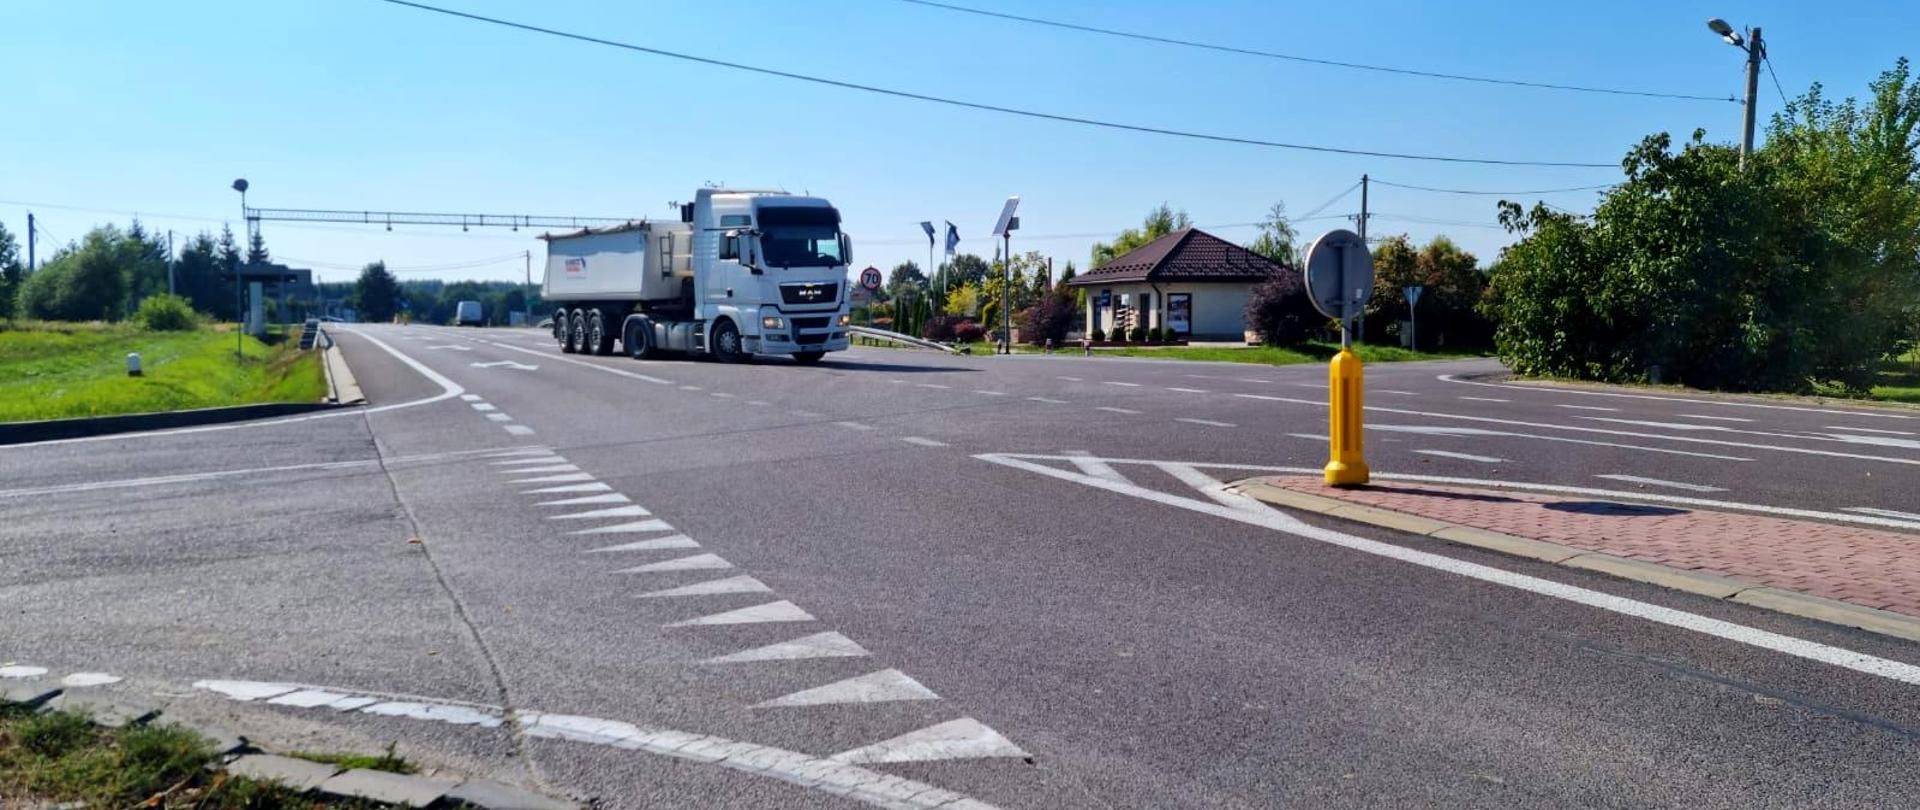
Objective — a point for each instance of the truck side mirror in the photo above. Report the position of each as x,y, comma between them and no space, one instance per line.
846,250
752,260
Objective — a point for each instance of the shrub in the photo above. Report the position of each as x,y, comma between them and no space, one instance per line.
1050,319
967,331
941,328
1138,335
1098,335
167,313
1279,312
1155,335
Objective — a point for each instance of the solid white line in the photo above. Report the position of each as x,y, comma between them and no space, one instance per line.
1207,422
1704,416
1117,410
923,441
499,417
1210,486
1870,430
1868,510
1655,482
1486,399
1048,401
1725,403
1461,456
1586,408
1281,522
519,430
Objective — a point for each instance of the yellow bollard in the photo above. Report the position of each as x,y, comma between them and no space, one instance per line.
1346,467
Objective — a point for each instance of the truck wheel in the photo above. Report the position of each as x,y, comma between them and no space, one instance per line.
808,358
725,342
598,340
577,332
563,330
638,340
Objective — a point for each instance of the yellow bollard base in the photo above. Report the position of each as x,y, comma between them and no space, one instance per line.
1346,474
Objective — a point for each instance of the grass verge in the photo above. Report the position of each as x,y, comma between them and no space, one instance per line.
1899,380
389,762
63,757
65,370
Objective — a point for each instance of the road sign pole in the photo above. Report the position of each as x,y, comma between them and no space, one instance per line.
1339,277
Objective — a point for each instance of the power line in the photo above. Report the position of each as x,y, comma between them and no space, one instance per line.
1325,205
867,88
1434,221
1768,61
1317,61
1379,182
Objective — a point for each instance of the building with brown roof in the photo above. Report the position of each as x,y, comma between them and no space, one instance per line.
1190,283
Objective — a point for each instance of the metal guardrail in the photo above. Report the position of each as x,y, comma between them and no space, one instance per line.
897,337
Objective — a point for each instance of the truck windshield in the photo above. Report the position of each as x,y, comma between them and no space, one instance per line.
801,245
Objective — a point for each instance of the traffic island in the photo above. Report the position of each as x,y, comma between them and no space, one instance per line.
1849,575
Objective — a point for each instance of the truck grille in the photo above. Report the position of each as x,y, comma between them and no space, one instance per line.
825,293
809,323
809,340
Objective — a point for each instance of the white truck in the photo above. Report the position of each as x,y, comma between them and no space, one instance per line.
743,273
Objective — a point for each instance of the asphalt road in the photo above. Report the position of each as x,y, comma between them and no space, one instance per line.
1017,558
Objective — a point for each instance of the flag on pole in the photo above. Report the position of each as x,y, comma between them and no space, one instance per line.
953,238
928,227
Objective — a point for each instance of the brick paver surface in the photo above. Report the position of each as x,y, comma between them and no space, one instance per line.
1870,567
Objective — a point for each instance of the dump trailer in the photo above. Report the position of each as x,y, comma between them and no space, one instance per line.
742,274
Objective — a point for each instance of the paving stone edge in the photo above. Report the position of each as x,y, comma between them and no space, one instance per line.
1779,600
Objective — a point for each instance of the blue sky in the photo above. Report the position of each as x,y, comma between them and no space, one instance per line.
151,107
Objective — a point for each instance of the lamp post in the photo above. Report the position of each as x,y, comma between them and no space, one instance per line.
1756,51
239,304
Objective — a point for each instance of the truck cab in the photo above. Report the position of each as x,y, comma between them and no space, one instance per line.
777,283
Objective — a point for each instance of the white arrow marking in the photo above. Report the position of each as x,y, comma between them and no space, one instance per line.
506,364
818,645
965,738
781,611
739,584
885,686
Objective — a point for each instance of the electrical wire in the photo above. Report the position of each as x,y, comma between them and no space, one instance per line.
1185,43
1329,203
1433,221
1378,182
1070,119
1767,60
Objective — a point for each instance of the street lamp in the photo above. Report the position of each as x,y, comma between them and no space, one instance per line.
239,303
1756,51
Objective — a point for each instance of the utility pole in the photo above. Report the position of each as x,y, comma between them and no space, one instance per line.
31,236
170,261
1756,51
1360,325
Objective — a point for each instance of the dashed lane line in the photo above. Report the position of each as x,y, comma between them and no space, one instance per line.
519,430
1048,401
1206,422
1585,408
1690,401
1461,456
470,397
854,426
924,441
499,417
1704,416
483,406
1485,399
1120,383
934,385
990,393
1657,482
1187,390
1111,409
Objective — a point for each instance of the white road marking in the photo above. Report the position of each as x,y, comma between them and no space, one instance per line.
924,442
519,430
990,393
1207,422
804,414
1714,418
1725,403
593,487
676,541
547,458
454,346
1461,456
1392,391
1863,430
781,611
551,468
1868,510
758,403
1112,409
584,364
965,738
20,671
885,686
691,388
628,528
499,417
470,397
1486,399
316,698
1311,385
1048,401
854,426
1069,379
609,512
721,395
828,776
482,406
553,479
713,587
586,499
1281,522
898,382
933,385
1882,441
818,645
1255,380
1186,390
1210,486
1119,383
1317,437
90,679
1586,408
697,562
1093,466
519,452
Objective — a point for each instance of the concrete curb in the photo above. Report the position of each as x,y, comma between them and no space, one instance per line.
1710,585
50,429
342,387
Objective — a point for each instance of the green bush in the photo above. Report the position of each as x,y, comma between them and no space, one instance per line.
1138,335
167,313
1098,335
1155,335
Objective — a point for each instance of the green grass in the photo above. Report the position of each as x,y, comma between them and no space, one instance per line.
63,757
64,370
1280,356
388,761
1899,379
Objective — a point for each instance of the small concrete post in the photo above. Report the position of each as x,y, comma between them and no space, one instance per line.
133,364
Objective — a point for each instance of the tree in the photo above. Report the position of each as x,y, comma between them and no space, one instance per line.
376,294
1159,222
1278,310
11,273
1050,318
147,275
228,252
257,249
197,277
1277,240
966,268
963,299
84,282
906,280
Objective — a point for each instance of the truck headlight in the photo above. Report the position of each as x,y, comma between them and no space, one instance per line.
773,322
845,318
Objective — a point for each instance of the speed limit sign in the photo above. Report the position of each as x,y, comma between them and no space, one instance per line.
870,278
